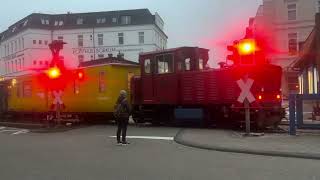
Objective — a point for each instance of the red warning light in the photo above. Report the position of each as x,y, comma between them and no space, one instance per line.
247,46
54,73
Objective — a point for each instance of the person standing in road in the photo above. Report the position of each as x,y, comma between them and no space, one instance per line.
122,113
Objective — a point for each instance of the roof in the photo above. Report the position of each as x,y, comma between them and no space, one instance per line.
108,60
308,54
172,50
89,20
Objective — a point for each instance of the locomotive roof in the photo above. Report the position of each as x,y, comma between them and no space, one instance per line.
108,60
172,50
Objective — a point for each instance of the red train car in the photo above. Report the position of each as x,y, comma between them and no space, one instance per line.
176,85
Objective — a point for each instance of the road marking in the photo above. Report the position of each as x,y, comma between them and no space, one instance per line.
148,137
21,132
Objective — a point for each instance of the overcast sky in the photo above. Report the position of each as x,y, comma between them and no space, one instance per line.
206,23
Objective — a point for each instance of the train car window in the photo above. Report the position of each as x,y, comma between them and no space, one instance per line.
187,64
180,66
27,89
165,63
102,81
200,64
147,66
19,94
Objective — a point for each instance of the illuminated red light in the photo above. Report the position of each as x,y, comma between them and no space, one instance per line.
54,73
80,75
278,96
246,47
260,97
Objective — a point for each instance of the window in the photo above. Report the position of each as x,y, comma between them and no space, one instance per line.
46,63
100,39
16,65
80,40
19,44
60,38
187,64
121,38
22,43
15,46
318,6
34,62
101,20
114,20
40,41
27,89
11,47
125,19
45,42
45,21
292,43
80,21
80,58
100,56
34,41
58,23
25,22
200,64
102,82
141,37
310,80
165,63
315,80
147,66
40,62
292,12
12,66
20,65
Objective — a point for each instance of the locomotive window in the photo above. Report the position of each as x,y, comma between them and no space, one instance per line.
27,89
200,64
102,82
165,63
147,66
187,64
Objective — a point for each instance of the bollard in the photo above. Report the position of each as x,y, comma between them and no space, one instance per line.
292,114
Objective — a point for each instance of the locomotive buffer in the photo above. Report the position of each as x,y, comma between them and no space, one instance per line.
246,97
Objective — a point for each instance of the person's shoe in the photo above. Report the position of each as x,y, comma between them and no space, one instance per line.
119,143
125,143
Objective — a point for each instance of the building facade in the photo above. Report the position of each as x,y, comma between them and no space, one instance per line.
89,36
285,25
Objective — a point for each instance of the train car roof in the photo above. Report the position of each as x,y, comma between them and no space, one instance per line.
109,60
171,50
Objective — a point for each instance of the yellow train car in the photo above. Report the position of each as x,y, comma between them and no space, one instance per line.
94,95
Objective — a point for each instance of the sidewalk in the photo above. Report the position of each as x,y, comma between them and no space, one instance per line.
305,145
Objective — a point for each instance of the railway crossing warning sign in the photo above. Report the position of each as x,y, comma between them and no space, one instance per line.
245,86
246,97
57,101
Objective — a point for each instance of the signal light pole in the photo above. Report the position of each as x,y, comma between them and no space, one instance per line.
56,66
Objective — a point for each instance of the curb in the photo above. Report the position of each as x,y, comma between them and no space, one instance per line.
179,139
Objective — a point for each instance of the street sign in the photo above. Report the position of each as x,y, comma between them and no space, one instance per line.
245,87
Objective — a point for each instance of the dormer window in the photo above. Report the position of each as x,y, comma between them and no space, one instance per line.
58,23
80,21
101,20
45,21
125,19
13,29
25,22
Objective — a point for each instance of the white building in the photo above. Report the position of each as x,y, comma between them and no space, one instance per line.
285,25
89,36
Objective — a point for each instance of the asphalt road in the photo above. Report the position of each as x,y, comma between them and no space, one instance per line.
90,154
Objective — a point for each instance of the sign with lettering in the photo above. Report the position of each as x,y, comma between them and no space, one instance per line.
91,50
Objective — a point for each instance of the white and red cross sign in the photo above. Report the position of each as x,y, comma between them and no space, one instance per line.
57,97
245,86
